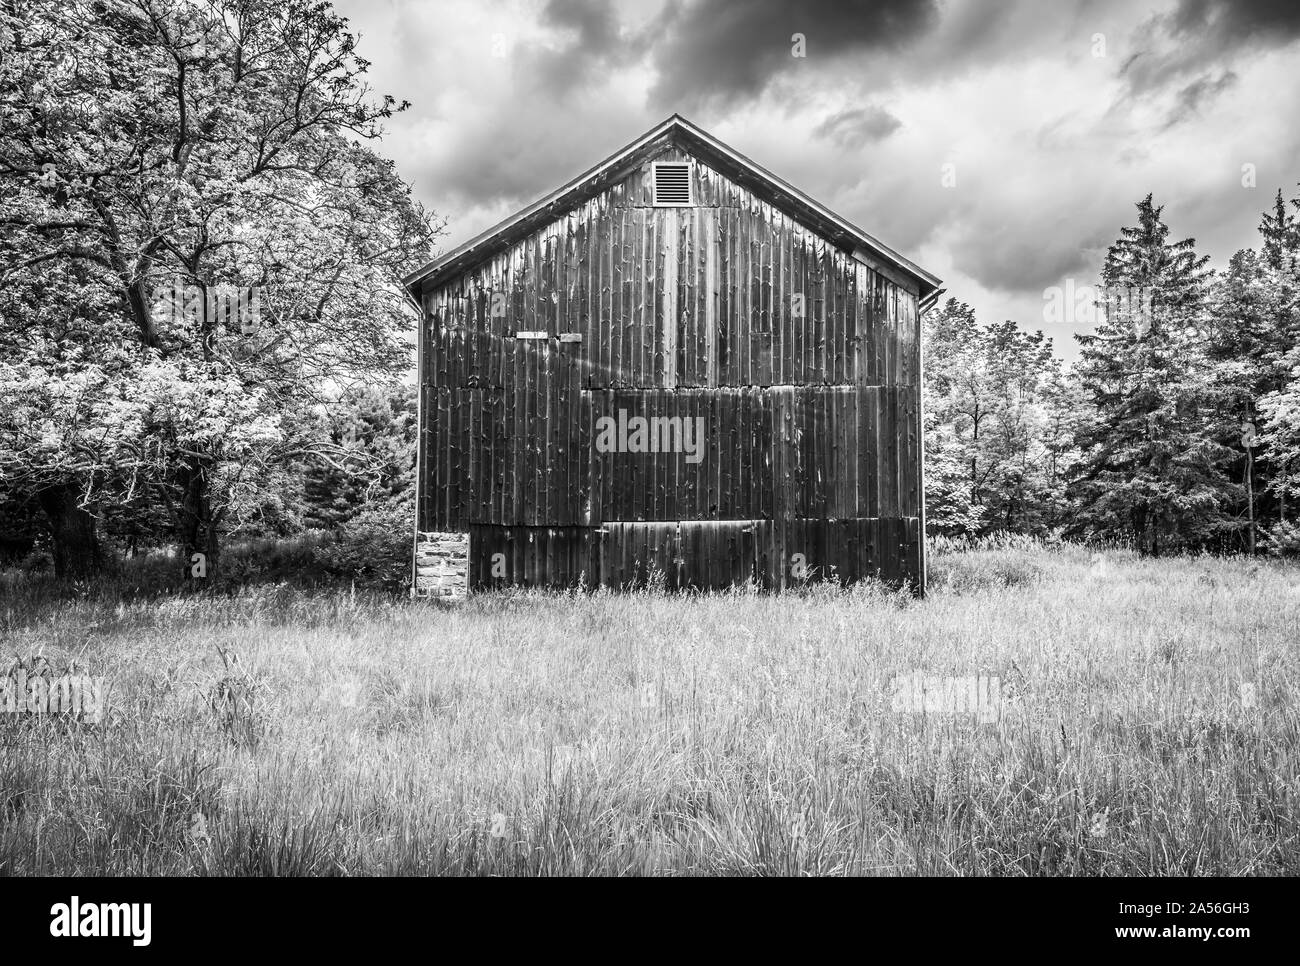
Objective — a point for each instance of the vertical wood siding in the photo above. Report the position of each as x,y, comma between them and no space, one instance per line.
811,420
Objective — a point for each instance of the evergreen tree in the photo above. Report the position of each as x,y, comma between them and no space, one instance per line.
373,436
1281,232
1248,345
1147,470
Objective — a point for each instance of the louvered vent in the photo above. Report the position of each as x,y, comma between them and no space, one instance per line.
672,183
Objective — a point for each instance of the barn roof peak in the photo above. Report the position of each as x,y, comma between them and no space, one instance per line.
699,143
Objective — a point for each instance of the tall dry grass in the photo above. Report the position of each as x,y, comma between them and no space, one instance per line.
614,734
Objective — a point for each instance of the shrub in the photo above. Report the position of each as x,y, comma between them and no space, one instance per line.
1283,540
374,547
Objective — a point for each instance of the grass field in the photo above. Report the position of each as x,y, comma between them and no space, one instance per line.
1148,727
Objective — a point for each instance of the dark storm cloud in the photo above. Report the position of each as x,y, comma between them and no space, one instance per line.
1239,20
592,42
856,127
1002,255
719,52
1198,39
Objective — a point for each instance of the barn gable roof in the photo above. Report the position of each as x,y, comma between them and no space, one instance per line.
702,145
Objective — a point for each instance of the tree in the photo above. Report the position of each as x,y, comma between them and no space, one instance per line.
205,164
378,430
1281,232
1147,469
954,416
62,363
986,395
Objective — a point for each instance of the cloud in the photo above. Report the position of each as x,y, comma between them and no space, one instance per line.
592,44
1189,99
718,53
1052,143
1238,21
855,127
1198,38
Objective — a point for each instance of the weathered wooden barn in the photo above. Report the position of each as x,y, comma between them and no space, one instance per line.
677,363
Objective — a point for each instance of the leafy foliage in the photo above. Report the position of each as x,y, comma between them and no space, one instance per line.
226,249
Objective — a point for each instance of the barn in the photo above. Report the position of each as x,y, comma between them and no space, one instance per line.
676,368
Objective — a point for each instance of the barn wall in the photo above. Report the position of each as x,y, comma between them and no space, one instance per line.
507,457
682,312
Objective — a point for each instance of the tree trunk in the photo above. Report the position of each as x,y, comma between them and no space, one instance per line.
199,541
1281,512
76,550
1250,497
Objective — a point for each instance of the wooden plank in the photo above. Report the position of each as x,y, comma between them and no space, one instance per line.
802,328
678,310
742,480
783,322
626,555
745,291
772,295
853,501
549,476
579,445
440,446
776,418
471,456
769,441
516,411
630,356
708,332
870,462
848,331
879,372
835,297
889,476
643,290
891,333
618,374
763,296
537,437
760,447
651,463
697,353
756,468
584,316
604,298
833,335
821,320
726,303
605,554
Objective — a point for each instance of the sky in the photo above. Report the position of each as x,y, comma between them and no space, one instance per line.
1000,145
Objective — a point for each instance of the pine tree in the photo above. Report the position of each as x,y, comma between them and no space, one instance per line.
1249,343
374,436
1281,231
1147,471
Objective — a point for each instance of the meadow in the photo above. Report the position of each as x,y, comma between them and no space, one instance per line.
1147,726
